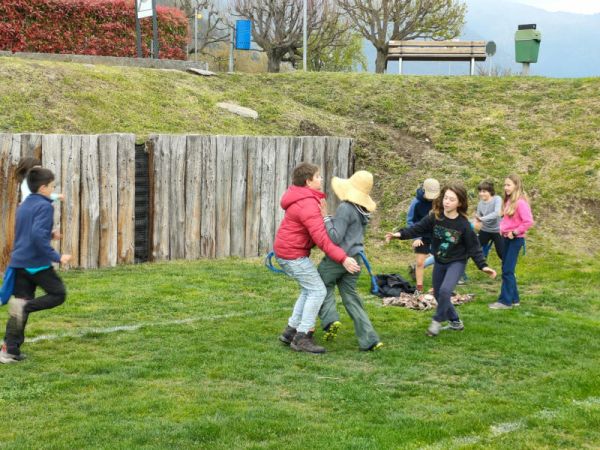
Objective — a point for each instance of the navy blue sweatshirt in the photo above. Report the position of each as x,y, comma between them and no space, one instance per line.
33,233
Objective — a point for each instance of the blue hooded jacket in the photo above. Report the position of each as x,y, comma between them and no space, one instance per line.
419,208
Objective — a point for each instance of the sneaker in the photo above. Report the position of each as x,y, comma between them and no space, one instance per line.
417,293
16,308
304,342
287,335
455,325
461,282
412,271
498,305
376,346
332,330
7,358
516,305
434,328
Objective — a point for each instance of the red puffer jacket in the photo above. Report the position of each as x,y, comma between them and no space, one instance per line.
302,226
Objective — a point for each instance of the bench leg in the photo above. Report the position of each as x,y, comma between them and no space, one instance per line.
400,66
472,66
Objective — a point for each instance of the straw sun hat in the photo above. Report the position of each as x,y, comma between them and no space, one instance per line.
355,189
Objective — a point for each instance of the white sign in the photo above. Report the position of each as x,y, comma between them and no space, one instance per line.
144,8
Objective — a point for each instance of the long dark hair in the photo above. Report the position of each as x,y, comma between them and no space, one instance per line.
463,201
25,165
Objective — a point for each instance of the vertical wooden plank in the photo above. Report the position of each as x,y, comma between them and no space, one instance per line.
223,196
70,216
10,153
308,149
296,156
284,145
209,156
238,196
108,196
126,199
89,243
177,195
267,199
332,148
193,194
31,145
161,205
52,159
253,195
318,158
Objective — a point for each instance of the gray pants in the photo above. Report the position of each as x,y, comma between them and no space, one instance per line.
333,273
445,279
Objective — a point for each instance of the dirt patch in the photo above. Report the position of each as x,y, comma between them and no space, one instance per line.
308,128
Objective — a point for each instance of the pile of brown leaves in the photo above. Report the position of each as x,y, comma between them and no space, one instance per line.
424,301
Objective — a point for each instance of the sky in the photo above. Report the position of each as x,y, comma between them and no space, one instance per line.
573,6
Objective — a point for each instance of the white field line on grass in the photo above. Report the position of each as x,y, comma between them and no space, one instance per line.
510,427
83,332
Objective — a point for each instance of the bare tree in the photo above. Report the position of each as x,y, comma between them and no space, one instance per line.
277,25
380,21
213,26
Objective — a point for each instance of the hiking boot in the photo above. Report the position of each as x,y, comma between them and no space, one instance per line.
412,272
434,328
304,342
287,335
498,305
16,310
332,330
455,325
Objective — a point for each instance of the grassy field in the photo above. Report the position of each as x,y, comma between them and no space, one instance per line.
185,355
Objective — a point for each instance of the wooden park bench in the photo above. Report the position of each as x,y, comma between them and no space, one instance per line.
437,51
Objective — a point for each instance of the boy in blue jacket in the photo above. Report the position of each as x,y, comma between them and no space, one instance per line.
32,259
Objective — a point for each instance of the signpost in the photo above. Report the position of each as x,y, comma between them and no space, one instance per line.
146,8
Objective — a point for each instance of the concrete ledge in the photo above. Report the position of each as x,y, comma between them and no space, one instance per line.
111,60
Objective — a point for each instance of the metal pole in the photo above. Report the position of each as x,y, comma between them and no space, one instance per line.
525,69
196,33
399,66
304,33
154,31
231,50
138,31
472,66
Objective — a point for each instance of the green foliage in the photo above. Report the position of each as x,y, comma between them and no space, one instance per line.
346,57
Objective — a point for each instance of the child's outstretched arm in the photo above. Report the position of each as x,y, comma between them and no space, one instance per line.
476,253
425,226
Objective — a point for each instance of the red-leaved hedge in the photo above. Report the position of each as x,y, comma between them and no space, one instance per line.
88,27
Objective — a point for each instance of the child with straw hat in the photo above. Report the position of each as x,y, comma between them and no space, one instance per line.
347,229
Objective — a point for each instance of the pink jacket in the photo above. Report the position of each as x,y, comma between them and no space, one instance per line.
519,222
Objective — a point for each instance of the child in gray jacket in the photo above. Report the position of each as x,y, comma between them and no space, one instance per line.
347,230
487,218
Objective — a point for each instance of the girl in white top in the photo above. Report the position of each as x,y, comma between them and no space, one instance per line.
25,164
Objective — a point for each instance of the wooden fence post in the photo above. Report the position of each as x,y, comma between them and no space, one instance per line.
193,195
238,196
89,244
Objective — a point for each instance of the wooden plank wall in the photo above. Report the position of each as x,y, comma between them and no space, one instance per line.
211,196
222,199
96,174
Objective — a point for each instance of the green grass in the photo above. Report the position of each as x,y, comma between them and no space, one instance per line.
204,368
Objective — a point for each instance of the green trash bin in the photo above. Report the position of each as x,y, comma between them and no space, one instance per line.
527,45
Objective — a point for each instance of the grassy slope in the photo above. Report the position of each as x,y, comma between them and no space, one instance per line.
406,127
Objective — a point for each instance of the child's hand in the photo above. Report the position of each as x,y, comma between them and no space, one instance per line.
323,207
417,243
56,235
351,265
491,272
64,259
390,236
60,197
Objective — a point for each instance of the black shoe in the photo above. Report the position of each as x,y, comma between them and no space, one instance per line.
288,335
303,342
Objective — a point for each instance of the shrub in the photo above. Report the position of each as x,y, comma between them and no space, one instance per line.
89,27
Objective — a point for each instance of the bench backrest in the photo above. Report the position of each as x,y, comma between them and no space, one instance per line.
437,50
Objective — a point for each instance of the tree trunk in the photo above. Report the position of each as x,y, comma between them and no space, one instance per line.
274,61
381,61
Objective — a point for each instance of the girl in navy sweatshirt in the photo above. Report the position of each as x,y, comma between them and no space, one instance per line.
453,242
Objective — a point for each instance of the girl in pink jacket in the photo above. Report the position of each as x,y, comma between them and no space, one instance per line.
516,220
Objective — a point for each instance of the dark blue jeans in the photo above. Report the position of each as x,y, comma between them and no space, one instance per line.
509,293
445,278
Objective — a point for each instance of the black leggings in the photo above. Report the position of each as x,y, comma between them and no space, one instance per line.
485,237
